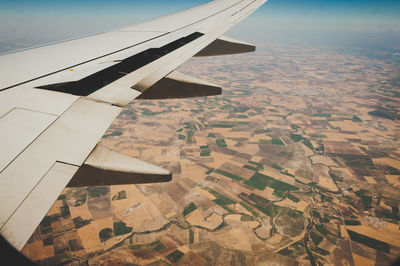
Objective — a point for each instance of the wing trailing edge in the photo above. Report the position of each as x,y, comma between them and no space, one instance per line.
179,85
106,167
226,46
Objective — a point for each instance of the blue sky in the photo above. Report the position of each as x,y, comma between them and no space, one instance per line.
35,22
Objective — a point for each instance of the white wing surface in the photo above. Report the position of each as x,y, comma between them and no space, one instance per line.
56,102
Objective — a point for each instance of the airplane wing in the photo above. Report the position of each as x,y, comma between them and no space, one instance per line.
56,102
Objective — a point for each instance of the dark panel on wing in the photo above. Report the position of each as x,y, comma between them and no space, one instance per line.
92,83
92,176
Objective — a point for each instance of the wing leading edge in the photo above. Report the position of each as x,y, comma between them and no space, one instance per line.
56,101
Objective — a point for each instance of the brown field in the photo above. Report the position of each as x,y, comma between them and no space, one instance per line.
347,125
342,148
89,235
361,261
219,159
205,193
242,242
388,161
389,234
301,205
81,211
37,251
393,179
327,183
370,179
325,160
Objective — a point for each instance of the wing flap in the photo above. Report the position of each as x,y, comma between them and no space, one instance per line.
225,46
178,85
106,167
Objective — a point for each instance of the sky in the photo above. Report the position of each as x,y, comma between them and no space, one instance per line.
25,23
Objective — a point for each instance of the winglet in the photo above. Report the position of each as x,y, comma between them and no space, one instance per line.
225,46
178,85
106,167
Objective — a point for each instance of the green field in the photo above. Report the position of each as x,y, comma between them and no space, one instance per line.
315,213
98,191
221,143
260,181
189,136
120,228
296,137
277,141
369,242
250,167
308,143
277,167
286,173
258,165
227,174
189,208
148,112
365,198
322,251
322,115
157,245
293,126
387,215
335,177
191,236
223,124
211,135
321,229
209,171
175,256
353,222
204,150
318,136
205,153
316,238
295,250
121,195
254,166
220,199
115,133
255,214
106,234
292,198
356,119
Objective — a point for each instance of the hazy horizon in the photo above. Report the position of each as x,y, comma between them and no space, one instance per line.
24,24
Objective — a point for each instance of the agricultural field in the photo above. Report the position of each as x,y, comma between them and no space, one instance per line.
293,163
